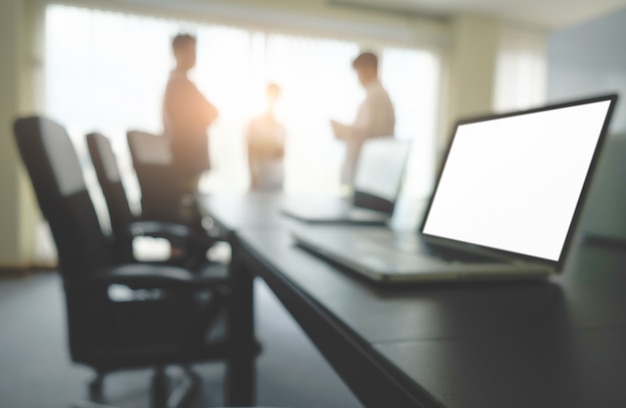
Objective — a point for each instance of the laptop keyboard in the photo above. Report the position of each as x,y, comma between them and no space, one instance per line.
412,245
457,256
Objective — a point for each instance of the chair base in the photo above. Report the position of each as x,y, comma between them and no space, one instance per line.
165,392
163,395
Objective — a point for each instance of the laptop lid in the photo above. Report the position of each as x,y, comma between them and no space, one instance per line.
514,183
379,173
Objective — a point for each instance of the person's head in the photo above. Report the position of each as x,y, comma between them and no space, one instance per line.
184,48
366,67
273,93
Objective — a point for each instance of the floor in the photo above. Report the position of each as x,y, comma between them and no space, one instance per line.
35,369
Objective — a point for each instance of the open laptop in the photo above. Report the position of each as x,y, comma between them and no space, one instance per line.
377,184
505,206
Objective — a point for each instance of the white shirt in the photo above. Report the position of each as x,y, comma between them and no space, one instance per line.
375,118
266,141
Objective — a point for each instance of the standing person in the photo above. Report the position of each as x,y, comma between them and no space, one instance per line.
187,115
265,140
375,116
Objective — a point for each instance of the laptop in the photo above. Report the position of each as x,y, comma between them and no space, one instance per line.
505,206
377,183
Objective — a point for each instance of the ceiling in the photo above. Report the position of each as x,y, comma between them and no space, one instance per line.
549,14
542,14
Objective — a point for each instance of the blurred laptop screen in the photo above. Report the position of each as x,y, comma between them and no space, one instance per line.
381,166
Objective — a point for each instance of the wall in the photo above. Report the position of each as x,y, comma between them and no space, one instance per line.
588,59
472,63
585,60
17,213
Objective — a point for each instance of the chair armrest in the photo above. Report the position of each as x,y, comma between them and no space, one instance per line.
160,229
144,276
176,233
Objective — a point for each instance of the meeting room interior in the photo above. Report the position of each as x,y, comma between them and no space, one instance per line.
183,183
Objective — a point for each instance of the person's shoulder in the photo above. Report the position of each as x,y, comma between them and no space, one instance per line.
257,121
376,92
264,124
379,89
178,80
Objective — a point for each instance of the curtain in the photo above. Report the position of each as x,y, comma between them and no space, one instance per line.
520,70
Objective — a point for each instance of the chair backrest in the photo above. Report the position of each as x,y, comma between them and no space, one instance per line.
57,178
153,163
109,177
149,149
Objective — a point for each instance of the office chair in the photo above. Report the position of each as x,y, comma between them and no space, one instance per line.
161,198
164,315
126,226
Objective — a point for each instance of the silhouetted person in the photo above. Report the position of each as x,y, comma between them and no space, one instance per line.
187,115
375,116
265,139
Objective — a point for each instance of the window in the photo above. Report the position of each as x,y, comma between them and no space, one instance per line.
106,71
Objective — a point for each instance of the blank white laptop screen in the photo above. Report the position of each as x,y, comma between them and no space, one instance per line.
380,167
513,183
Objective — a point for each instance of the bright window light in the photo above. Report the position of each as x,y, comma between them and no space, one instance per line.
107,71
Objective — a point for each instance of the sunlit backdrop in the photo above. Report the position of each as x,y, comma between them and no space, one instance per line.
107,71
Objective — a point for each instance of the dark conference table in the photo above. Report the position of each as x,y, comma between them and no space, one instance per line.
560,343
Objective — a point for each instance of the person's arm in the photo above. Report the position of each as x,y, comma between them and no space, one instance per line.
340,130
186,107
251,150
281,138
201,106
375,118
352,132
360,129
210,111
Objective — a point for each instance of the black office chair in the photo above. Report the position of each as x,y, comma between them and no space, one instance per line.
161,198
164,318
126,226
